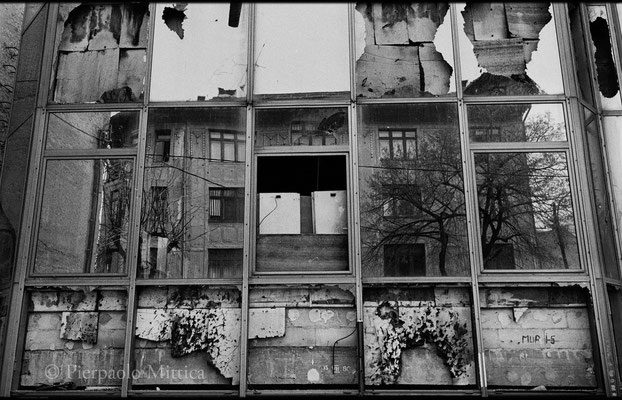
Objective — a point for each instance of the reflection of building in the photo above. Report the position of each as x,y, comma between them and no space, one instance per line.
250,199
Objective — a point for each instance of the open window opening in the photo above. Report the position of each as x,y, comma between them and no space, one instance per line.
302,222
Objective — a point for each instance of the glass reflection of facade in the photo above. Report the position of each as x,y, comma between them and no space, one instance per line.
371,198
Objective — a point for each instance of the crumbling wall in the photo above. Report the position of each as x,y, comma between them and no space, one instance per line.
194,330
101,53
302,336
418,336
74,339
400,58
537,337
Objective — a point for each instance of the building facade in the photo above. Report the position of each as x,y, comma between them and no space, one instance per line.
369,198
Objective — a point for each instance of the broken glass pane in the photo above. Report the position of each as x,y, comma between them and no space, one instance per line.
100,53
92,130
537,337
582,59
187,336
606,72
516,123
301,48
199,52
84,216
193,194
301,127
508,49
74,339
525,211
600,191
303,335
413,217
418,336
302,221
404,50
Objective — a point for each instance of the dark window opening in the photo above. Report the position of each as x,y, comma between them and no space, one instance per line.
301,174
226,205
162,145
404,259
225,263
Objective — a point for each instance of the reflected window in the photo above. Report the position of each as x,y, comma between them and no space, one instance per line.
403,50
88,201
193,202
301,48
227,145
226,204
411,205
525,201
225,263
516,123
508,49
199,52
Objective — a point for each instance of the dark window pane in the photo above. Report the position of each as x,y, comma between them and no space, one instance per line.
92,130
193,193
404,50
417,336
582,60
199,52
516,123
525,202
508,49
411,199
225,263
538,338
84,217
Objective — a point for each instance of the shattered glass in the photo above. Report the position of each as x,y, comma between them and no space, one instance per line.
100,53
199,52
403,50
508,49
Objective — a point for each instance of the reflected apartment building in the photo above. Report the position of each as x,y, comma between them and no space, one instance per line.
370,198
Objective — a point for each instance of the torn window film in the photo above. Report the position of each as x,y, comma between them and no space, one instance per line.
418,336
197,54
101,53
606,72
514,49
193,204
403,50
302,336
74,330
92,130
84,217
413,217
525,201
546,329
301,48
191,329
